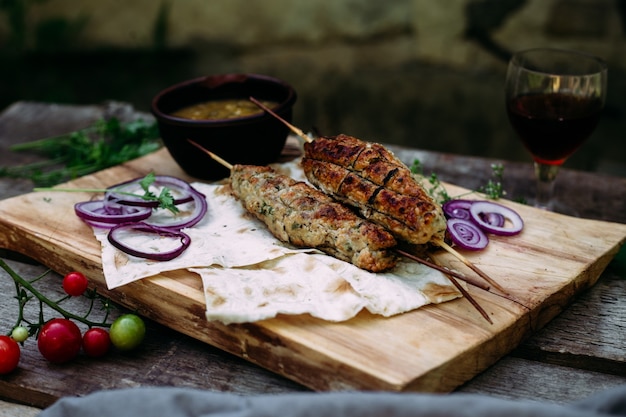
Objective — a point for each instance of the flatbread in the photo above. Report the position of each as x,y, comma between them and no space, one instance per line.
249,275
319,285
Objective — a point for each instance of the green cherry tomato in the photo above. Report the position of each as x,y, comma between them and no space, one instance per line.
75,284
96,342
9,354
59,340
127,332
19,334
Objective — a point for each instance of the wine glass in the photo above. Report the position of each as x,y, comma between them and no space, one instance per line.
554,99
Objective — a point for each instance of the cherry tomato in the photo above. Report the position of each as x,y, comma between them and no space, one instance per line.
96,342
127,332
59,340
19,334
9,354
75,284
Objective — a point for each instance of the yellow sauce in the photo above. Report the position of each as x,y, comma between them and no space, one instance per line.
222,109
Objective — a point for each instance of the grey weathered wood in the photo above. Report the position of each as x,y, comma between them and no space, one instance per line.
572,337
516,378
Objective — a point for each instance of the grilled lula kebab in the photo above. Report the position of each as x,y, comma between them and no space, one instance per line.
299,214
370,178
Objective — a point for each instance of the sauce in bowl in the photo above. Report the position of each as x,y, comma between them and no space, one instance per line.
222,109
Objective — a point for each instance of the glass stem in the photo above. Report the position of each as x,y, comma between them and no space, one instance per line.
545,174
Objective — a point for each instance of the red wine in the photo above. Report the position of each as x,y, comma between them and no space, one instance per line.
553,126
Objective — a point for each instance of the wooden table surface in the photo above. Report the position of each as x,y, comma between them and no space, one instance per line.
582,351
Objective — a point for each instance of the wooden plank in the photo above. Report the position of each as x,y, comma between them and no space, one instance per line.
10,410
544,267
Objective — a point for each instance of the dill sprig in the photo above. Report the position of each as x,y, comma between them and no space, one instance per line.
106,143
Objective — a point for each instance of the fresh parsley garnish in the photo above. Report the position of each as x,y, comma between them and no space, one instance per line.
165,198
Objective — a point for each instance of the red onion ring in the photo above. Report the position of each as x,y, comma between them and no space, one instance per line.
469,220
114,196
95,212
115,237
457,209
123,213
482,207
467,235
493,219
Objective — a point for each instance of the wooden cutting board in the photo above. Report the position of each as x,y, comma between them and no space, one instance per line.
433,349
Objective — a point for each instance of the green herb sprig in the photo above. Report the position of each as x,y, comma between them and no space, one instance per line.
106,143
494,188
433,185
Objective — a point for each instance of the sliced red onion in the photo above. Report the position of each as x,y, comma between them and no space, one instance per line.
181,190
131,233
479,208
189,214
457,209
95,212
493,219
466,234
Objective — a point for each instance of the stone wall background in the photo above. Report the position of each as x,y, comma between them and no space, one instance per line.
420,73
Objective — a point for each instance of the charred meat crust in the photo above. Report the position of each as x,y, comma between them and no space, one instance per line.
301,215
370,178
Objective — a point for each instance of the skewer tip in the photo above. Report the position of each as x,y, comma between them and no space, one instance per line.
293,128
211,154
473,267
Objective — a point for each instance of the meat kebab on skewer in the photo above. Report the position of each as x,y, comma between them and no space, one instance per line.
299,214
369,177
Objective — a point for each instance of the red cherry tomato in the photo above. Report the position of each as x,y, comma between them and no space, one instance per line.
75,284
59,340
96,342
9,354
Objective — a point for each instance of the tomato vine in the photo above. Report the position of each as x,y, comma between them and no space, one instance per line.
27,292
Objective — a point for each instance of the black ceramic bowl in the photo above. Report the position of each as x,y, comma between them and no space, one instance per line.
255,140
